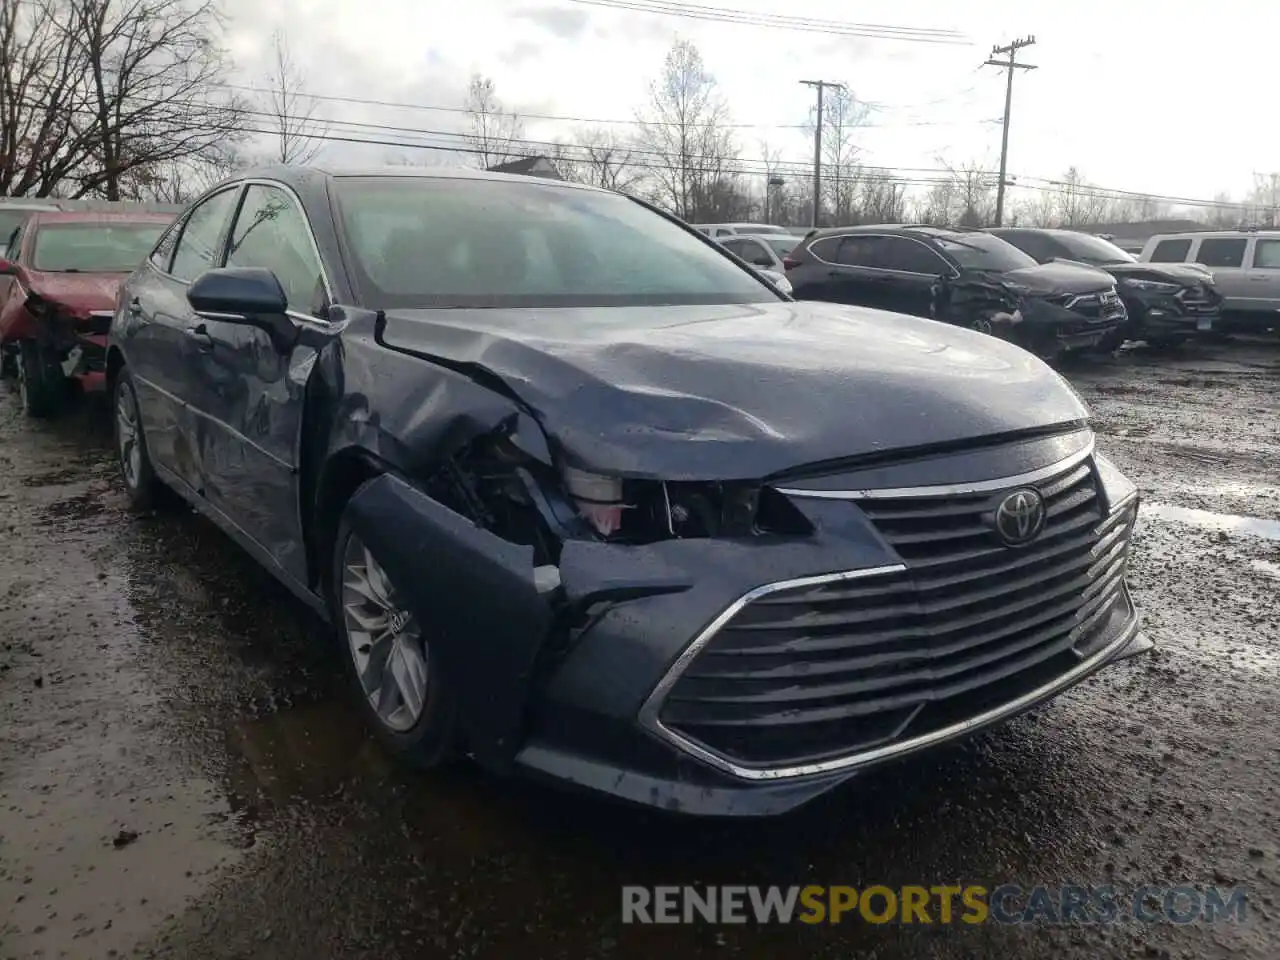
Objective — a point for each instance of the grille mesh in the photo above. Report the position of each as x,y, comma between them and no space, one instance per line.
809,673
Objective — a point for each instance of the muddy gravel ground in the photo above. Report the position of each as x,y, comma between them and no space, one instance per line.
182,776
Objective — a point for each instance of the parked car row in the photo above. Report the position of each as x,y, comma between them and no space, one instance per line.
585,497
1051,291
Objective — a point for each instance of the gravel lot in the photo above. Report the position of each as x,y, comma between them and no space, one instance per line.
180,774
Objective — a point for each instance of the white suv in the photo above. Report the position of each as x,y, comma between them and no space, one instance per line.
1245,266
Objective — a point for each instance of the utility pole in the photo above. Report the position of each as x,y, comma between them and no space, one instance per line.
1009,66
817,145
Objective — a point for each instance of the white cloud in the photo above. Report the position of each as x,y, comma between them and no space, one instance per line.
1142,96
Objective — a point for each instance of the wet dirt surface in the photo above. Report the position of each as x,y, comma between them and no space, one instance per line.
181,774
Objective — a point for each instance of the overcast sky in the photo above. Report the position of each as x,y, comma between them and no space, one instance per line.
1156,97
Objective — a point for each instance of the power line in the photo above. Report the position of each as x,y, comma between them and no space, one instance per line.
369,102
802,24
1009,66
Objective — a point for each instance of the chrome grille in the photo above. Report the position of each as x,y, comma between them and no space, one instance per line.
1199,298
1105,306
814,672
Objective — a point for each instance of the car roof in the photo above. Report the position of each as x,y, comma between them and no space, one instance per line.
1215,234
99,216
302,177
906,229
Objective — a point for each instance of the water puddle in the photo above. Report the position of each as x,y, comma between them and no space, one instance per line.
1266,567
1207,520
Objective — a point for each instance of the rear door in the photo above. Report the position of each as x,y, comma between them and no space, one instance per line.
154,333
249,395
1264,274
1226,257
912,270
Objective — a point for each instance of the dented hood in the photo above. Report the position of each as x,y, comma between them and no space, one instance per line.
1048,279
79,293
740,392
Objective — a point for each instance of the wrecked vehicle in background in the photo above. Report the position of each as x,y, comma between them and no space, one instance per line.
963,277
63,271
585,498
1166,303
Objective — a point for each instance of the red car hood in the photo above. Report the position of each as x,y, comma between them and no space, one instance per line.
78,293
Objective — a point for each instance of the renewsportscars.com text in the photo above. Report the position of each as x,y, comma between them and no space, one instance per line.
935,904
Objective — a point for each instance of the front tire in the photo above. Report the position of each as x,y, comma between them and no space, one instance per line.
388,656
41,385
139,477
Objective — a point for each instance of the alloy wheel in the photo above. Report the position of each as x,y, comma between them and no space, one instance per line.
385,639
127,434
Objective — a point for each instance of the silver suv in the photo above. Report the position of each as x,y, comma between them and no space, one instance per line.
1245,266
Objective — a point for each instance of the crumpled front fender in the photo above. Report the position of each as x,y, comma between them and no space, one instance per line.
474,595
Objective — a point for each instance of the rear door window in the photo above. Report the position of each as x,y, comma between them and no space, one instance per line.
1171,251
827,249
908,256
1222,251
1266,254
857,252
736,247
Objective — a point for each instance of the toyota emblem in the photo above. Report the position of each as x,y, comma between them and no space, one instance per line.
1019,517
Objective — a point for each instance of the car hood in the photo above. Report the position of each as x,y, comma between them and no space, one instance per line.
77,292
1047,279
744,391
1165,272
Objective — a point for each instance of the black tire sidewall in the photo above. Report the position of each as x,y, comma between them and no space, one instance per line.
431,740
40,391
141,496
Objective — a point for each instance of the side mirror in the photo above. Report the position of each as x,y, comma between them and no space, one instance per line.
8,268
763,262
248,295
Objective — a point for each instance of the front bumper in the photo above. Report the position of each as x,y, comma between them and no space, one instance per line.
1051,328
671,778
598,721
1188,313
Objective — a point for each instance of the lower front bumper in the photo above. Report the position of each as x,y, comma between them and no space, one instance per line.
691,786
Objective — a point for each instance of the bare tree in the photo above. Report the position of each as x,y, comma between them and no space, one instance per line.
1079,204
685,135
1041,210
600,157
1224,213
882,199
40,86
842,115
152,89
292,112
495,131
1264,199
182,180
973,194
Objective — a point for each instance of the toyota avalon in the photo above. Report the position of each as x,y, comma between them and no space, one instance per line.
584,497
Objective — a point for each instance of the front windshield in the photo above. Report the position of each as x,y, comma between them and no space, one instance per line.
462,242
981,251
100,247
1090,249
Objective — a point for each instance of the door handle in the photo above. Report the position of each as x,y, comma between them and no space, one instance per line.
201,336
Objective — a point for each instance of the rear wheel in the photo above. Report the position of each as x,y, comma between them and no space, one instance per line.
140,481
41,385
388,655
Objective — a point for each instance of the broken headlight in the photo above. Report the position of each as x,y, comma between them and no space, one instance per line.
642,511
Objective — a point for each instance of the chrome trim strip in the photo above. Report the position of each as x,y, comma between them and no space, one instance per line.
948,489
649,712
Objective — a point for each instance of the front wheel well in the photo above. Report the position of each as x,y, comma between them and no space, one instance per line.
343,475
115,363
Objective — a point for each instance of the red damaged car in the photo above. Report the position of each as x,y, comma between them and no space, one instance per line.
63,271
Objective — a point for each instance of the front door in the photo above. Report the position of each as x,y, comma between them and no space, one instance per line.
250,394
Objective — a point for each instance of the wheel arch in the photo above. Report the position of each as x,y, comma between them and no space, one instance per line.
326,487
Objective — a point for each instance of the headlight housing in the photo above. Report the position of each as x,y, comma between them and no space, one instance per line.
1117,489
1151,286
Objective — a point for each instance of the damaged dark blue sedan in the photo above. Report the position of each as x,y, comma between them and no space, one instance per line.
584,497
